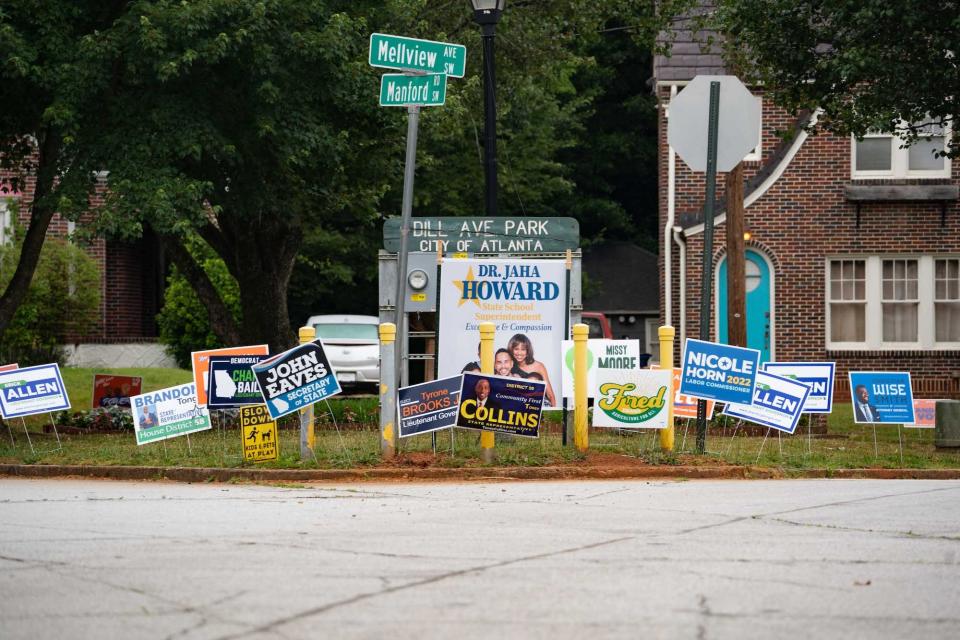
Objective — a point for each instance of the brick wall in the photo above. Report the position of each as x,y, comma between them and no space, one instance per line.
801,221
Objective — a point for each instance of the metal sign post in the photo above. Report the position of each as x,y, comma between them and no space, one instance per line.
706,284
409,169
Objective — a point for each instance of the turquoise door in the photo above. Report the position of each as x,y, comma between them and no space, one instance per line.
759,326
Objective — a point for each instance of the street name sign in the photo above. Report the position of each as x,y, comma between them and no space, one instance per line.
411,54
399,90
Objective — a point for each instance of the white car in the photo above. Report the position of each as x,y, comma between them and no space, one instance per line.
352,344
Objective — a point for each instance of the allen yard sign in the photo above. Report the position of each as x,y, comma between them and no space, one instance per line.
31,390
524,299
777,403
168,413
295,379
632,398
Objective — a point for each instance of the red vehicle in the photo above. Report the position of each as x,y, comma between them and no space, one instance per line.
598,323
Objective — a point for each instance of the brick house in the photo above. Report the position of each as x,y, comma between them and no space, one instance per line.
852,248
132,282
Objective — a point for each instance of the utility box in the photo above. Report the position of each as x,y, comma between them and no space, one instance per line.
947,428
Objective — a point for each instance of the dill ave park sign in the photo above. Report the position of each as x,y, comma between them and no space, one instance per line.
399,90
485,235
411,54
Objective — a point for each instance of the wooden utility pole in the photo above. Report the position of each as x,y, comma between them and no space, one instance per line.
736,261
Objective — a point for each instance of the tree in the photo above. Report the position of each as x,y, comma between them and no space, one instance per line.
54,86
868,64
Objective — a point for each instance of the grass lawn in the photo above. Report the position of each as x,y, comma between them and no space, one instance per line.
348,436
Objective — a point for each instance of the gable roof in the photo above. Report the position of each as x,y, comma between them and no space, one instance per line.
621,277
687,56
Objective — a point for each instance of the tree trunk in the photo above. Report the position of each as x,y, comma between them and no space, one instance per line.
736,260
221,320
41,212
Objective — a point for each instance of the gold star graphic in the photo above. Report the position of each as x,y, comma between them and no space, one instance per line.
459,285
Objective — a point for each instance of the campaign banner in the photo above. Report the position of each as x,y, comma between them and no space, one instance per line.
296,378
259,433
714,371
231,383
168,413
503,404
685,406
526,302
201,364
602,353
32,390
429,406
632,398
924,414
881,396
114,391
777,403
816,375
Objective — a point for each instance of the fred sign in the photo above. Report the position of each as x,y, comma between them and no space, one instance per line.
713,371
296,379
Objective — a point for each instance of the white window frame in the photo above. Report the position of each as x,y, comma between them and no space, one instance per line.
873,330
899,160
756,154
651,329
6,221
941,300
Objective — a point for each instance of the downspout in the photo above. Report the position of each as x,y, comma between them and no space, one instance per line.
682,246
668,227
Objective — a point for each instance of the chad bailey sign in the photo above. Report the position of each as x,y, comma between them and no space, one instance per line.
31,390
719,372
296,379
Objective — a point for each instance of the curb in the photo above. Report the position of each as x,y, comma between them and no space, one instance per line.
215,474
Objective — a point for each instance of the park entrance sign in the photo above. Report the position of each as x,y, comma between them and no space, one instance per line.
485,235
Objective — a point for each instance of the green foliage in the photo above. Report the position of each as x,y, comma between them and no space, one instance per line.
63,301
868,64
183,322
106,419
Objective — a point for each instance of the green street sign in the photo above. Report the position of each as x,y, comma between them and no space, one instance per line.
399,90
410,54
484,235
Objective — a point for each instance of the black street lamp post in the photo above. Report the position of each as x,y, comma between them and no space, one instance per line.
486,13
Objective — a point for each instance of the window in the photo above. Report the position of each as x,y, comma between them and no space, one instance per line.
879,155
653,338
893,302
947,300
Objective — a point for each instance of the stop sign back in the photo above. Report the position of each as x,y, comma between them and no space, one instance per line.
738,129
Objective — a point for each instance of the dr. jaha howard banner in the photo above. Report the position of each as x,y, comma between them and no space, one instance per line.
524,299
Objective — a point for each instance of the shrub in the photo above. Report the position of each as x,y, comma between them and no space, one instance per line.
104,419
63,301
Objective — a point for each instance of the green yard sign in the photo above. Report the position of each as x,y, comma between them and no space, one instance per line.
399,90
411,54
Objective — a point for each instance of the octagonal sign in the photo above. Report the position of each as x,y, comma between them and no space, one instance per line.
738,129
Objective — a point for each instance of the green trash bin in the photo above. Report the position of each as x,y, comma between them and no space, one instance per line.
946,433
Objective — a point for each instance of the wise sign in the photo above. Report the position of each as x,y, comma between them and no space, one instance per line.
398,90
411,54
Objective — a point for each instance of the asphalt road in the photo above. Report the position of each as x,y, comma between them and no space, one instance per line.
718,559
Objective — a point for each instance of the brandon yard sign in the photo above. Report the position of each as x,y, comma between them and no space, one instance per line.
485,235
411,54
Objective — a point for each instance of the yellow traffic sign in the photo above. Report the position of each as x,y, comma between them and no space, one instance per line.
259,434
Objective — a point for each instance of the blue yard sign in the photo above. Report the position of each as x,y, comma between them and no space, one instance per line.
713,371
777,403
31,390
296,379
881,396
231,383
428,406
816,375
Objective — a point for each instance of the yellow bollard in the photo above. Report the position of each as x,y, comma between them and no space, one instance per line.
581,438
308,334
388,391
487,331
667,334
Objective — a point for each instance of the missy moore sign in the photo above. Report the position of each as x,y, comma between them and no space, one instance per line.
32,390
525,301
632,398
601,354
168,413
296,379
